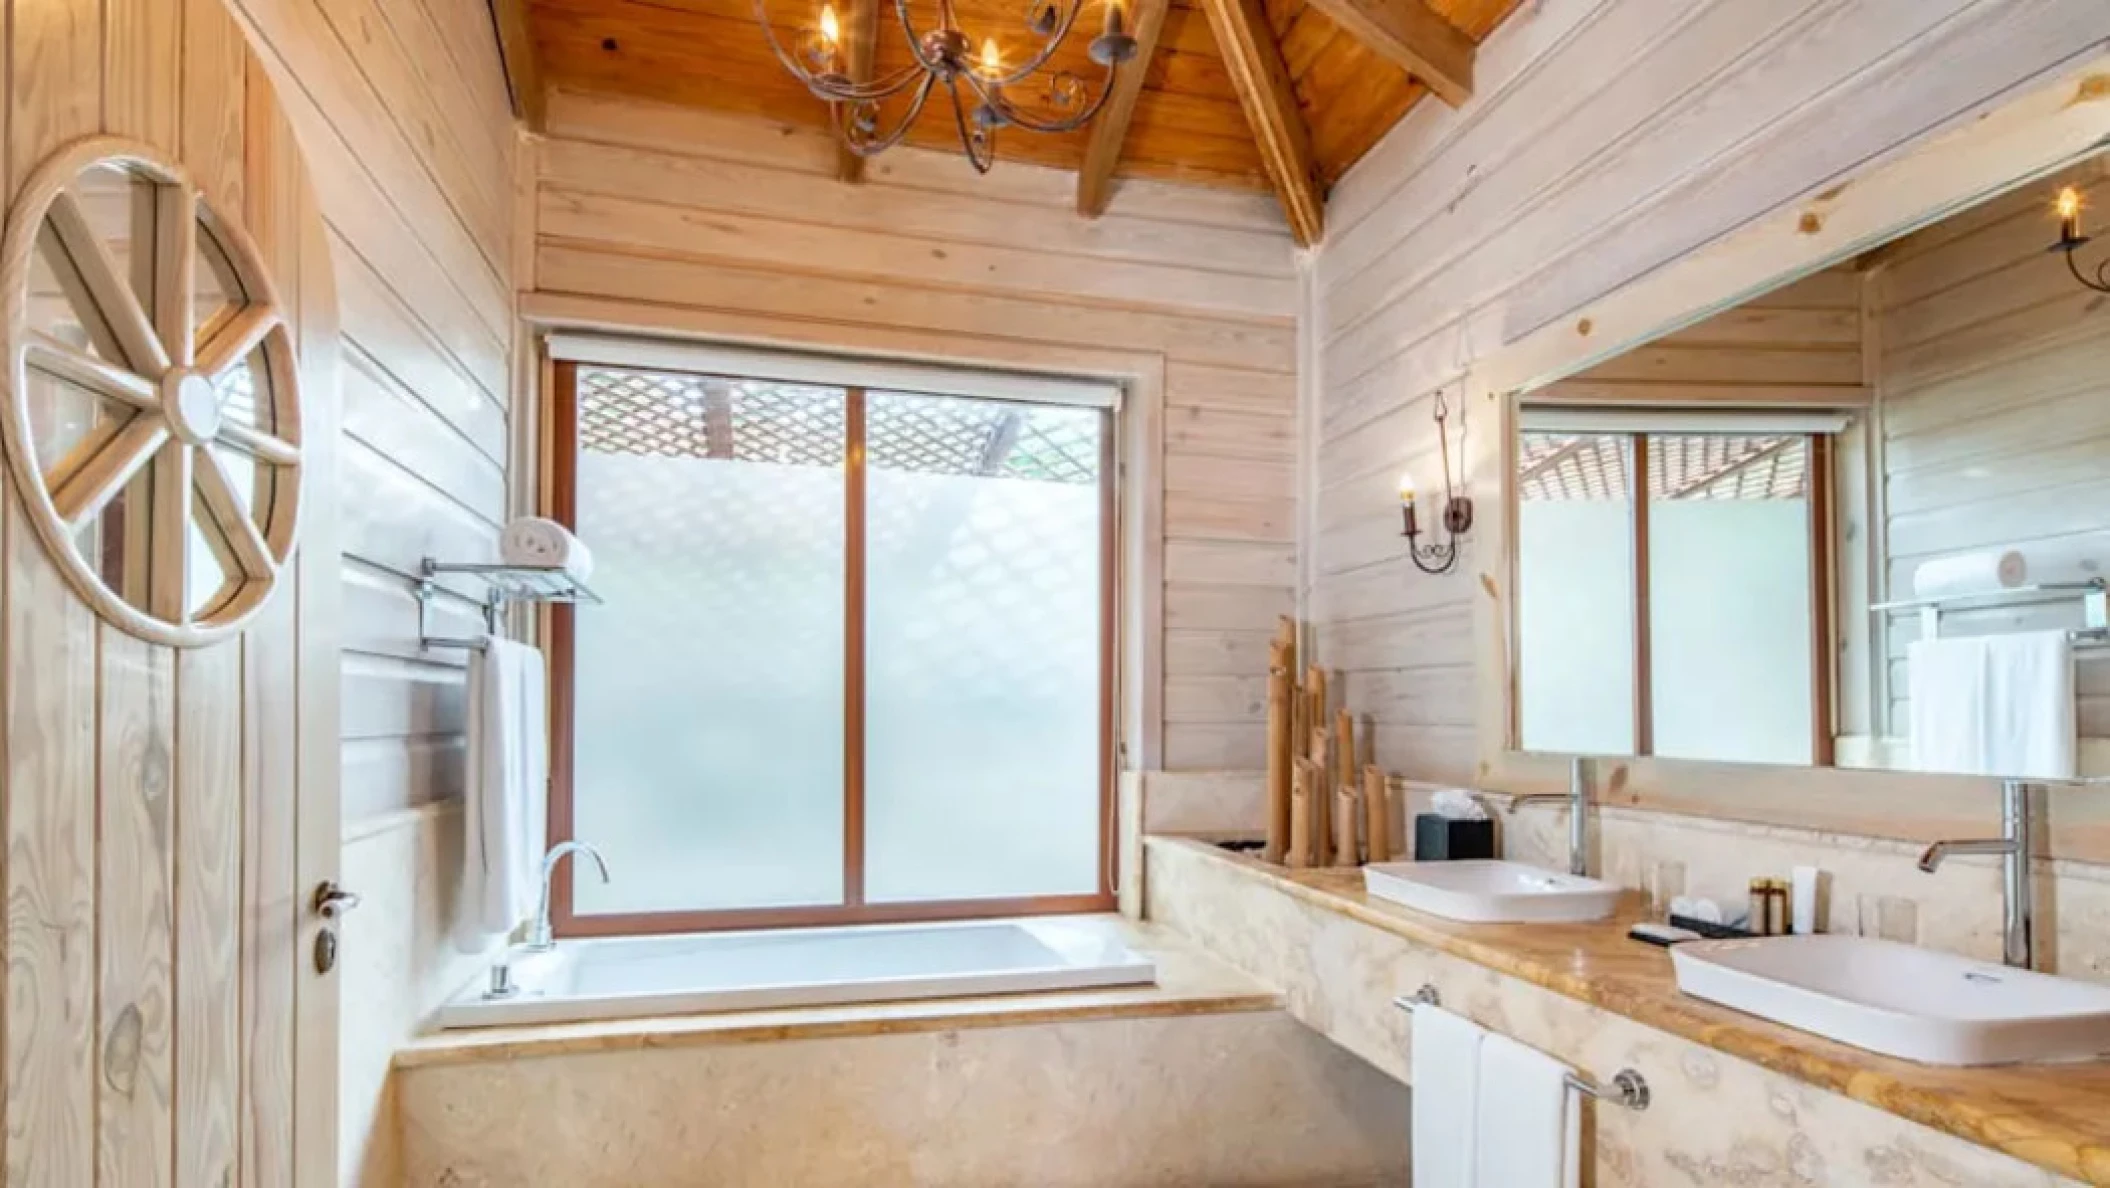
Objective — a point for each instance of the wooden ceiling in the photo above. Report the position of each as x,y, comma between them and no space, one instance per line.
1307,87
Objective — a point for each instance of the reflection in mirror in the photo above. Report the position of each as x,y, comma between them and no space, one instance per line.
1575,592
1862,520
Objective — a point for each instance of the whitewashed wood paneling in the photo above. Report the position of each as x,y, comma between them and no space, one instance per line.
651,208
2003,437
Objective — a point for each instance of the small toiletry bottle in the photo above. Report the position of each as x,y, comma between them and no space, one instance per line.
1776,907
1756,923
1802,888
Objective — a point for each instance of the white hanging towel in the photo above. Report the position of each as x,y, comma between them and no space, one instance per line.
1529,1132
540,543
1998,705
1446,1073
503,826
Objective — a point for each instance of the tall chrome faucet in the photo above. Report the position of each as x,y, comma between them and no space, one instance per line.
540,939
2014,845
1578,800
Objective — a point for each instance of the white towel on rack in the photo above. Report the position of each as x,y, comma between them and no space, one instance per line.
503,815
545,544
1998,705
1446,1073
1529,1125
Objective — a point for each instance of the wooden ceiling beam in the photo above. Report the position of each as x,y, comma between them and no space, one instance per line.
1254,62
862,49
516,47
1413,36
1095,176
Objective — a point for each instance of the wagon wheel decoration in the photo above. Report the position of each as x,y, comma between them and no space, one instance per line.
153,422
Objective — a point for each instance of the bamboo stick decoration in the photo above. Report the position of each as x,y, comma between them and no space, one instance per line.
1377,809
1286,636
1299,853
1321,796
1347,818
1279,744
1344,750
1316,719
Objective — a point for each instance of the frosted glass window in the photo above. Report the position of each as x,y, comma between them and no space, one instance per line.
983,649
1575,593
793,571
1730,621
708,692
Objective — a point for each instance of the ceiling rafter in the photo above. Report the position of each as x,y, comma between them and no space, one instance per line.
1095,176
516,48
862,54
1254,63
1413,36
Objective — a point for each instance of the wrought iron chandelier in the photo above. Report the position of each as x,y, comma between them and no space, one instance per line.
995,95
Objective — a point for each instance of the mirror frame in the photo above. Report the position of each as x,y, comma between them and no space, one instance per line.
2035,134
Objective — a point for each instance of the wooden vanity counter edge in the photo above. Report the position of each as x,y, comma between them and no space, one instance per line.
2054,1116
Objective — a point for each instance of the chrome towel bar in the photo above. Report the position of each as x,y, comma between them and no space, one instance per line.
1628,1088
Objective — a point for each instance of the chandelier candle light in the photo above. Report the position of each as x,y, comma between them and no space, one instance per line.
986,94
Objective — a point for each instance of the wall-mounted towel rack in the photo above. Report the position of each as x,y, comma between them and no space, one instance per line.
1628,1088
2093,596
502,584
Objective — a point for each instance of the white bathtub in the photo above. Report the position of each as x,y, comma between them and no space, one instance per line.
742,971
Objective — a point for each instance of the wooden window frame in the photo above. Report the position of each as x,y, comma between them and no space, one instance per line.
1822,617
562,504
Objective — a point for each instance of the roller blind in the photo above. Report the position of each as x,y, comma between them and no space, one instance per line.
1743,422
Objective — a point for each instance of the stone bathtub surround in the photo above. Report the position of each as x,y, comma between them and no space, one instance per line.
1203,1079
1737,1100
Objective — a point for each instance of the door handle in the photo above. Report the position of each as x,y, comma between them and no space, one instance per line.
331,901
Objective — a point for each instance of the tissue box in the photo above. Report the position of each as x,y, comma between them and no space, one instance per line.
1442,839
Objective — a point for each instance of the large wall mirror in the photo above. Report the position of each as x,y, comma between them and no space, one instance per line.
1861,521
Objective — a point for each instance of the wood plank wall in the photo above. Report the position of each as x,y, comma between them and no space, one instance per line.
1607,137
402,111
1796,347
1995,384
703,222
157,801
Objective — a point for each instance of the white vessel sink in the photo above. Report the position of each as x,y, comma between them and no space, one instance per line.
1491,892
1899,1000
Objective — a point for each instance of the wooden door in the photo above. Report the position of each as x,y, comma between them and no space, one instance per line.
169,812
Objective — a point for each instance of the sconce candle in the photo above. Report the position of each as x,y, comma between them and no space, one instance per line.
2068,206
1457,515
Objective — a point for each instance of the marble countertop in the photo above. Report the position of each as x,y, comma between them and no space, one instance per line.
1188,982
2054,1116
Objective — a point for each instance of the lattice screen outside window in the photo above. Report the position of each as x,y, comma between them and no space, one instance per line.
1554,467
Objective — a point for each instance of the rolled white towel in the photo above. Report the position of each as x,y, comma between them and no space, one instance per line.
545,544
2043,563
1969,573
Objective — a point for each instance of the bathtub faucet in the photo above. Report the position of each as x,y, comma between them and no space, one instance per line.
539,937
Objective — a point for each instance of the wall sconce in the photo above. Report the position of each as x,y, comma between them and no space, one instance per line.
2070,238
1438,557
